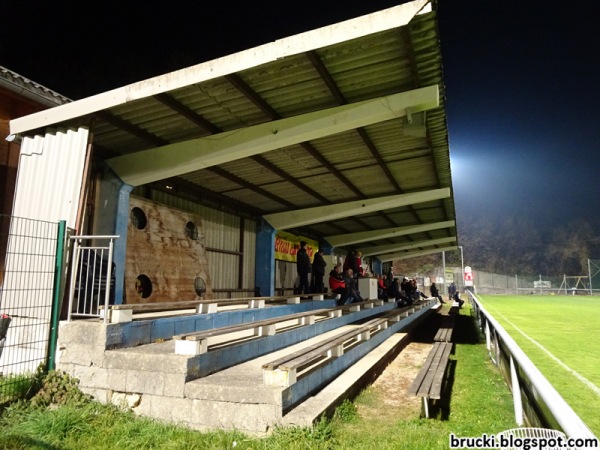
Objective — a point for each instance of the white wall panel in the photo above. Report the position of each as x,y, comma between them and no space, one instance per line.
50,176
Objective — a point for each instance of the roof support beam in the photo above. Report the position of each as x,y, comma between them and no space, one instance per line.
407,255
366,236
378,250
307,216
177,159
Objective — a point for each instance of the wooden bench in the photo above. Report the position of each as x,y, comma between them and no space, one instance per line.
429,381
196,343
124,313
283,372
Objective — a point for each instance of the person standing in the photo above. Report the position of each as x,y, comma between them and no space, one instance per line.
318,272
451,291
435,292
303,267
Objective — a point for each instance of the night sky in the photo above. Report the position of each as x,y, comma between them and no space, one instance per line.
522,79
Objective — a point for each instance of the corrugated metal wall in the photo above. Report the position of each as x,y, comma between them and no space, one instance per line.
222,237
50,176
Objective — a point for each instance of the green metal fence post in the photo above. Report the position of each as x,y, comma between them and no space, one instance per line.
58,274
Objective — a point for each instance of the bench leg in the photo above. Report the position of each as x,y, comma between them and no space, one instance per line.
208,308
425,409
256,303
191,348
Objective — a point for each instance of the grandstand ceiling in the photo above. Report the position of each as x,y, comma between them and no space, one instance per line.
339,133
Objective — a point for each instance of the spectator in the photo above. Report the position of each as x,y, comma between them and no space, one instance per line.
382,289
318,271
358,269
451,291
304,267
435,292
398,294
353,294
456,297
337,284
416,292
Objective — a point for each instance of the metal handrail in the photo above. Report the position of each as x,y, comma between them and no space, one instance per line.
76,276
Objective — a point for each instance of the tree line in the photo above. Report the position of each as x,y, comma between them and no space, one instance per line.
515,246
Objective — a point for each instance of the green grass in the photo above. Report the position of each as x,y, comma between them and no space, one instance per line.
567,327
479,402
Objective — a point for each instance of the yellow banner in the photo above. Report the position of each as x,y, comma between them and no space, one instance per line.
287,245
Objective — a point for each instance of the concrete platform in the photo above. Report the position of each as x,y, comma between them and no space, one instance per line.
153,381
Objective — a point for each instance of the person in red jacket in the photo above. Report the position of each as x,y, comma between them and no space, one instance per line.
337,284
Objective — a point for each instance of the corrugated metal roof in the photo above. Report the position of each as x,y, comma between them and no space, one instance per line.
382,159
22,86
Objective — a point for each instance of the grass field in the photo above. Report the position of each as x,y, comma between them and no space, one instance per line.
560,334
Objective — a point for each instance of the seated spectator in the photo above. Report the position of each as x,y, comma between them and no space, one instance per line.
398,294
353,293
435,292
337,284
457,298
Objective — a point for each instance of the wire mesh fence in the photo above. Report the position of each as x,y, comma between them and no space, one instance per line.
27,273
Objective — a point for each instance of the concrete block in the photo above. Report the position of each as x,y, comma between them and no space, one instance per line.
206,308
354,308
100,395
120,315
335,313
336,351
92,377
365,335
152,383
256,303
138,333
174,385
233,416
90,332
266,330
195,347
306,320
117,379
318,297
293,300
81,354
279,378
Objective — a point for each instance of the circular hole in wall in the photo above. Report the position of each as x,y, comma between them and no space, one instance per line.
191,230
199,287
138,218
143,286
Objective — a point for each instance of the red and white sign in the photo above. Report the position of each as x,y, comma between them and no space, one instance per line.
468,276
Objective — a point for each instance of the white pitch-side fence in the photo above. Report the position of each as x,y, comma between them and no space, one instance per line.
534,398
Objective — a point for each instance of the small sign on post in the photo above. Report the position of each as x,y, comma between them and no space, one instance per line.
468,276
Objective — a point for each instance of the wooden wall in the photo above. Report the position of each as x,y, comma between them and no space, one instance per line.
163,252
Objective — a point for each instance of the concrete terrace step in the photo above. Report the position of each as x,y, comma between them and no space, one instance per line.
156,382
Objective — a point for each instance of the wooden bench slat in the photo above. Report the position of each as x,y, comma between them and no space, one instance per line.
437,358
196,335
192,303
435,391
303,356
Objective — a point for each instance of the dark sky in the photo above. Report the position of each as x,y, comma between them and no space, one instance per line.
522,78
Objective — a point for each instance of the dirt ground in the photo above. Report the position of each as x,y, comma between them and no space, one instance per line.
390,389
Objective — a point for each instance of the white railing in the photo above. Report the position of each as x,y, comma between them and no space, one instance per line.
91,276
545,402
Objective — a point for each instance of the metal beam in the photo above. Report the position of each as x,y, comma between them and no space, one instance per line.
172,160
378,250
407,255
366,236
318,214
